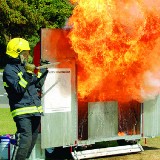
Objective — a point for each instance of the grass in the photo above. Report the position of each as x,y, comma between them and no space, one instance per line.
7,124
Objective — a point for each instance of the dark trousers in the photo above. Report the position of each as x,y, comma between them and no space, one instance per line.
26,136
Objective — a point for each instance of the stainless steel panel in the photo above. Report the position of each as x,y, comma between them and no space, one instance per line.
58,126
102,119
151,118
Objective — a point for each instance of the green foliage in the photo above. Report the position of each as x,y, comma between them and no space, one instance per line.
3,57
25,18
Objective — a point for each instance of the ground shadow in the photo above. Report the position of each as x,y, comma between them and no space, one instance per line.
150,148
59,153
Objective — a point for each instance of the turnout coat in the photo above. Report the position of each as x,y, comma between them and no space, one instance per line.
23,89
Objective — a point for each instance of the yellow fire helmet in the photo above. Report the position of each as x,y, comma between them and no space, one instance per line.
16,46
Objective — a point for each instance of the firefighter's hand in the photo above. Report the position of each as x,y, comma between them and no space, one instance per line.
30,68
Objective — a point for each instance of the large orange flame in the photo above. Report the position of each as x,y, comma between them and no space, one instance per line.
118,48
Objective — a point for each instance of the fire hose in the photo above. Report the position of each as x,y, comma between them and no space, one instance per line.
48,65
51,64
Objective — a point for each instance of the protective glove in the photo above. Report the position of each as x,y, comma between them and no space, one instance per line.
29,68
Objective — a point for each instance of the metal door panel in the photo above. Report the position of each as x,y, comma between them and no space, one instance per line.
59,123
151,118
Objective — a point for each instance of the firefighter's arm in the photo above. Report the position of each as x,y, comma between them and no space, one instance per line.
42,74
15,80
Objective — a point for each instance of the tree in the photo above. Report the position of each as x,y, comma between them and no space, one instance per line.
24,18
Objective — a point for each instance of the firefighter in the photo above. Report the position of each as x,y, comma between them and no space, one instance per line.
22,85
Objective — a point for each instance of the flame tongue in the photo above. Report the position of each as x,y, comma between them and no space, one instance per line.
117,43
